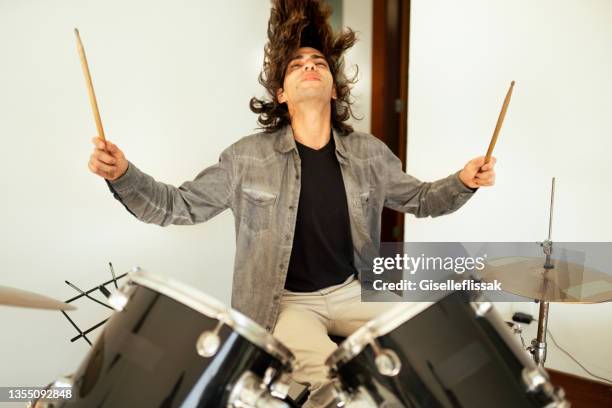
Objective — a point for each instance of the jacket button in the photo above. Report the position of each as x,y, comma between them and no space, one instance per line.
297,176
291,207
281,266
276,297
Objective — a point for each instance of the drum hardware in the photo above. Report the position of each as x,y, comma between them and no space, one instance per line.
538,345
537,379
280,387
359,398
116,300
340,395
269,375
119,299
387,362
97,287
517,330
251,392
84,333
209,341
481,307
87,295
63,382
546,280
534,378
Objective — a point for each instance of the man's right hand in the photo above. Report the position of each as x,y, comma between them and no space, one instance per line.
107,160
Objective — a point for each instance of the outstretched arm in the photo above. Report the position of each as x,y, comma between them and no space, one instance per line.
405,193
155,202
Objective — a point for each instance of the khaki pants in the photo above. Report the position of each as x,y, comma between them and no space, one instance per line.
303,325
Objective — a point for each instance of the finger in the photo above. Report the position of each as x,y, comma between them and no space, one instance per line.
102,167
94,169
112,148
478,161
99,143
489,165
104,157
489,181
484,174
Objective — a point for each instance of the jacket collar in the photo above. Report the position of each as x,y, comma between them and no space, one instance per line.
285,142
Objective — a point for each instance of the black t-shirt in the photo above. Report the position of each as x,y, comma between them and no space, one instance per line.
322,253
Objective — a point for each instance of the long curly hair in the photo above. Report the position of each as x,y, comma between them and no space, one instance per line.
303,23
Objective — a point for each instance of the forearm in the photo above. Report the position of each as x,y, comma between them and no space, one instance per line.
158,203
429,199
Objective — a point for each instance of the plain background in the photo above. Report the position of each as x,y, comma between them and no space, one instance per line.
173,81
463,56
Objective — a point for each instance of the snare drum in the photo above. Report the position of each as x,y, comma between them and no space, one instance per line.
173,346
449,354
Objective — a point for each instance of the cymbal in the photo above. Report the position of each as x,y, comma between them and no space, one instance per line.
566,282
22,298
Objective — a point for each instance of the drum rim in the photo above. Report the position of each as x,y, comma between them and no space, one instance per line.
213,308
388,321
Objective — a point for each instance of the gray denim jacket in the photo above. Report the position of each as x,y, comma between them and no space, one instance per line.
258,178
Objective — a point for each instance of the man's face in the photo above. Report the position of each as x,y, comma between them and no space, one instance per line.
307,77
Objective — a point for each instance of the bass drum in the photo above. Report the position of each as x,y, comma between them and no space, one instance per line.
453,353
173,346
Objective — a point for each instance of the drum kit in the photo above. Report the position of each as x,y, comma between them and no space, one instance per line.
170,345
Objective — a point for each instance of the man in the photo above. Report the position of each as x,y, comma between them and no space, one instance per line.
307,195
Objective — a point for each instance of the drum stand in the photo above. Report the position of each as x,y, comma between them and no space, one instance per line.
538,345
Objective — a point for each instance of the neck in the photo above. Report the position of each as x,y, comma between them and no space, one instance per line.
311,125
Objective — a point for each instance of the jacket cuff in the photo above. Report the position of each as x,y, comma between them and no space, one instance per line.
127,181
462,188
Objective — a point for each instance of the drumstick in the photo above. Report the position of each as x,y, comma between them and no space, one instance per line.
90,89
500,121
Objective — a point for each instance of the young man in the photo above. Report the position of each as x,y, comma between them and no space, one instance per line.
307,195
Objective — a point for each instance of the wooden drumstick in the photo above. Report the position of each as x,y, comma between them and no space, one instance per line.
90,89
500,121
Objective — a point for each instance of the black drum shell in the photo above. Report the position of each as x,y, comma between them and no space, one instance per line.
146,357
450,358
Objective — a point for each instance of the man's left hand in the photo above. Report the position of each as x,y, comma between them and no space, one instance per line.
478,174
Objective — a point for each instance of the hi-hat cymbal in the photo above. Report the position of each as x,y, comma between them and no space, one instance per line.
22,298
566,282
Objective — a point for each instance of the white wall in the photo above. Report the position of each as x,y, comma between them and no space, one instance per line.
463,56
173,81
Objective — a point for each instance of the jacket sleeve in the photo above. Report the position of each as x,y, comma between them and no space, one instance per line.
405,193
194,201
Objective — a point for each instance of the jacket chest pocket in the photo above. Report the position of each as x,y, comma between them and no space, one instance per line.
369,202
257,208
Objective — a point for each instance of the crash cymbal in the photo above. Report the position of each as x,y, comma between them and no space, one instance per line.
22,298
566,282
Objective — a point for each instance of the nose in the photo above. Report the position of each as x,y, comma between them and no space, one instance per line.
309,66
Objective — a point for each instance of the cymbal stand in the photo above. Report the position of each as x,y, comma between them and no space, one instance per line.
538,345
